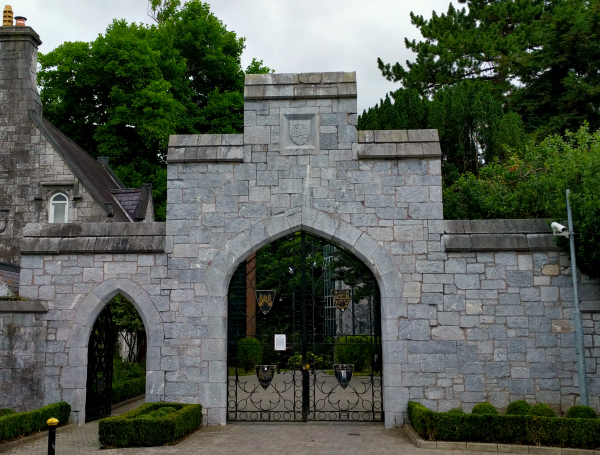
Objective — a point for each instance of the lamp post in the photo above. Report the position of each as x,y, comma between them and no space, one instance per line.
561,231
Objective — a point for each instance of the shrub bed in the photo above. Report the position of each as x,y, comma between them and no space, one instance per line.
356,350
21,424
505,429
125,390
150,425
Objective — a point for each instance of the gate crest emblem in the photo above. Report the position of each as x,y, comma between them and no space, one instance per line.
299,131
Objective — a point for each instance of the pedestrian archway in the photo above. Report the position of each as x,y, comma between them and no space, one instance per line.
116,368
304,335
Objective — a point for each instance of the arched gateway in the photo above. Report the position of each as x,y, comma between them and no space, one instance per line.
469,311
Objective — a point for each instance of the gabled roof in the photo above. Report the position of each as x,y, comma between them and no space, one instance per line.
134,200
96,177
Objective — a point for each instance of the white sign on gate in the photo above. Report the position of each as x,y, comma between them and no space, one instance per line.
280,344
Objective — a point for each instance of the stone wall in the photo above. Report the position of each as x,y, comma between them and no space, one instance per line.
471,311
31,171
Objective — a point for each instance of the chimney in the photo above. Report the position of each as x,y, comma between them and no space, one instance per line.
18,61
7,16
20,21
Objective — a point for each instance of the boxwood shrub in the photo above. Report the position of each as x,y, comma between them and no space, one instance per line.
6,411
148,426
125,390
505,429
518,408
581,412
19,424
541,410
484,408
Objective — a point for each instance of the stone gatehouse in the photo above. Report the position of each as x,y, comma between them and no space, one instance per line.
471,311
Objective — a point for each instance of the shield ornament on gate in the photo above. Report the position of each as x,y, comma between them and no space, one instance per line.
3,220
343,373
299,131
264,373
341,298
265,300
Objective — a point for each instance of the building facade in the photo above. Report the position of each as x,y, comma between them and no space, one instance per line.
471,311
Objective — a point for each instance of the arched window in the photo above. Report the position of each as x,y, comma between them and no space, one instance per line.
59,209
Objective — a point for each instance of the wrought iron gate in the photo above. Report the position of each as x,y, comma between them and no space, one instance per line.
326,303
100,367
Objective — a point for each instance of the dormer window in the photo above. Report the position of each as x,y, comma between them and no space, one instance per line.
59,209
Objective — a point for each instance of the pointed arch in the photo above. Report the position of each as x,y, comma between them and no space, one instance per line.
73,377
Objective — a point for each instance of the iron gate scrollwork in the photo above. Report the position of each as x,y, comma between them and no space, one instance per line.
331,368
100,367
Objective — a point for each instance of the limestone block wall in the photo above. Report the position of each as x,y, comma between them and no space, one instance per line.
75,269
471,311
296,167
31,171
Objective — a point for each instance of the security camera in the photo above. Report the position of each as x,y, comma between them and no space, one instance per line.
559,230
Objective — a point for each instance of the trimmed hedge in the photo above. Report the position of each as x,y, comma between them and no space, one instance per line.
144,427
581,412
505,429
484,408
6,411
541,410
518,408
125,390
21,424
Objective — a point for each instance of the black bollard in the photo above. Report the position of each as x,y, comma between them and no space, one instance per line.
51,435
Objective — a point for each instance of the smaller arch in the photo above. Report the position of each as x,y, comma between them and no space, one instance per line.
58,212
73,377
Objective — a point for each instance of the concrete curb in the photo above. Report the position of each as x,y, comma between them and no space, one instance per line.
481,447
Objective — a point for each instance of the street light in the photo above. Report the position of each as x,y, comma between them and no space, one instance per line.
561,231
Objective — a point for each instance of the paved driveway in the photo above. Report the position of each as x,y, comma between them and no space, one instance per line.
316,438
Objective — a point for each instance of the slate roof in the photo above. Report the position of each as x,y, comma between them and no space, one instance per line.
134,200
95,176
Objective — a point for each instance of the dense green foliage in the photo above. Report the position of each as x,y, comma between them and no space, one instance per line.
355,349
250,353
470,119
456,411
498,79
541,410
484,408
145,427
518,408
541,57
122,95
581,412
125,390
6,411
532,184
129,380
505,429
17,425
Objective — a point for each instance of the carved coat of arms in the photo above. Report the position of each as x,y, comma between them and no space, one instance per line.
299,131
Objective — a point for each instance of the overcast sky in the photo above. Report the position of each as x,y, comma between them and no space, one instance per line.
290,36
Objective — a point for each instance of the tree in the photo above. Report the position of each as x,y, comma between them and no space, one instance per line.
481,43
469,116
125,93
532,184
542,58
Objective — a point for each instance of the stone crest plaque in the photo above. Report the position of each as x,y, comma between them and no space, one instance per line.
299,131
